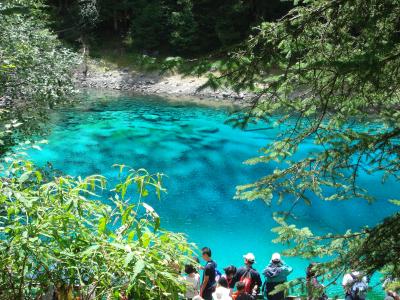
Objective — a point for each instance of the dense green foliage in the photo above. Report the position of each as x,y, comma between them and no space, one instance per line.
35,69
56,234
330,70
184,27
34,66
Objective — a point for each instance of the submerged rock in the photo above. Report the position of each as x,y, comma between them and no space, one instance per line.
150,117
129,133
141,134
188,137
208,129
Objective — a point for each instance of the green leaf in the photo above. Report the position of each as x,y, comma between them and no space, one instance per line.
90,250
129,258
395,202
39,176
102,225
118,246
131,235
139,266
24,177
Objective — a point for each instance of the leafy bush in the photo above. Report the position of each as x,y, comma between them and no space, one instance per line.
55,233
34,66
35,69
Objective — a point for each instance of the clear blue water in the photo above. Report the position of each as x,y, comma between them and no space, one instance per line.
202,157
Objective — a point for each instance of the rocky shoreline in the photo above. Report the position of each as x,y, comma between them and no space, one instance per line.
155,84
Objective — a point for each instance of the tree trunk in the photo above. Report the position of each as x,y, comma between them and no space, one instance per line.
115,19
85,53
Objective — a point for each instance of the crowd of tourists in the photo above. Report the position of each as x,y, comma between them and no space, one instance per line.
244,283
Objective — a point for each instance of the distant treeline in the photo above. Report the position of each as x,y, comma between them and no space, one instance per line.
182,27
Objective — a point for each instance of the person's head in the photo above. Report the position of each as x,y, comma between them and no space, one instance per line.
249,259
392,294
276,258
240,286
311,272
230,271
206,253
196,259
189,269
223,282
357,274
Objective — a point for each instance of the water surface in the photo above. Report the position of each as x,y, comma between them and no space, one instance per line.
202,157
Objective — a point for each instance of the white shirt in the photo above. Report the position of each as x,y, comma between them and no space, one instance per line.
221,293
193,285
348,280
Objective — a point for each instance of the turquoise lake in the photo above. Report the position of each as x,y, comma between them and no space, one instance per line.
203,160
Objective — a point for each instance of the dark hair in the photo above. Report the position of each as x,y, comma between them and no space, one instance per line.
189,269
223,282
206,250
230,270
249,262
240,285
196,259
310,272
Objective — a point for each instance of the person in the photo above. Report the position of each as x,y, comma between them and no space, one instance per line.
275,273
390,294
355,286
192,279
315,290
209,272
222,291
249,275
230,271
240,293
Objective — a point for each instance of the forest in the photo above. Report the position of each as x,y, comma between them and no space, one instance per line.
188,28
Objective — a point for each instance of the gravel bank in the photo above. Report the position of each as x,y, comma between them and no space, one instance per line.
167,85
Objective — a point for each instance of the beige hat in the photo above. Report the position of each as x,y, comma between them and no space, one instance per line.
250,257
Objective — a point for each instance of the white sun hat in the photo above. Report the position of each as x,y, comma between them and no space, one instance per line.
276,256
250,257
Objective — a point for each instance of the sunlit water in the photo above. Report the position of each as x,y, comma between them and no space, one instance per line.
203,159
